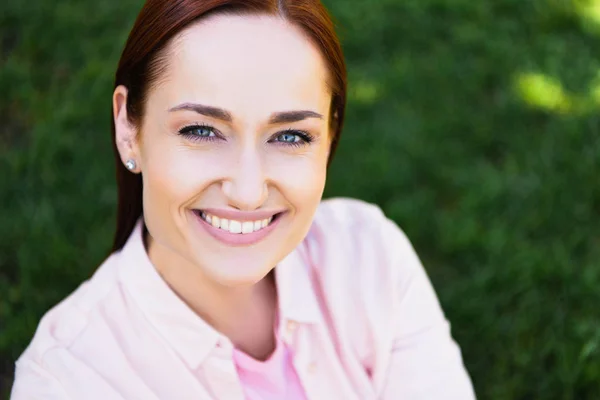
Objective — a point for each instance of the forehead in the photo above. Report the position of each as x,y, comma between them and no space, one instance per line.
251,65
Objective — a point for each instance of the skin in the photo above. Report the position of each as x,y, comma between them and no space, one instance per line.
252,67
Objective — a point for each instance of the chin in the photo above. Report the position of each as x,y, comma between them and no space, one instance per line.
238,274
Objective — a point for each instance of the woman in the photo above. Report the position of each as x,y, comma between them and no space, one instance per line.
229,278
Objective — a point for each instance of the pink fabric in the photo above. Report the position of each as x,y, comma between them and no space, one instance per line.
356,309
272,379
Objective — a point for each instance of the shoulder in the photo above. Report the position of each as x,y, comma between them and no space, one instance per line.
62,324
362,263
33,381
361,236
345,212
354,248
356,220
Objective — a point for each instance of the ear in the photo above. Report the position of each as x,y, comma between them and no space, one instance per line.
125,132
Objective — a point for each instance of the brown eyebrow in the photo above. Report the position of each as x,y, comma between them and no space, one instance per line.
292,116
224,115
209,111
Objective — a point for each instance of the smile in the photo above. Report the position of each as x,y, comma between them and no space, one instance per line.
246,229
233,226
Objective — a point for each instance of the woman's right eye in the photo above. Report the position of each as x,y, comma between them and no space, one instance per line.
198,132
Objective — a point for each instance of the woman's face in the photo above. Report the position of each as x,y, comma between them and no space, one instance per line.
235,138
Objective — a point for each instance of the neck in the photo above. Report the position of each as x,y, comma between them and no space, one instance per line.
236,312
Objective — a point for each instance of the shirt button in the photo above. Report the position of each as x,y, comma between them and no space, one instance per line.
312,367
291,326
224,343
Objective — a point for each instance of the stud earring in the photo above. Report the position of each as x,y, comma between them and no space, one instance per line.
130,164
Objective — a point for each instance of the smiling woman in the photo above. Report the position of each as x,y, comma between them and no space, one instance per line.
230,278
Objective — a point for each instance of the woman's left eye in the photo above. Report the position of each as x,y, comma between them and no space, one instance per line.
288,138
293,138
203,132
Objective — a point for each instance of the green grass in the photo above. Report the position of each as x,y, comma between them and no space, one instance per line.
474,124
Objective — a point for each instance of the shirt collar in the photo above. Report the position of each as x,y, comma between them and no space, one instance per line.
295,288
191,337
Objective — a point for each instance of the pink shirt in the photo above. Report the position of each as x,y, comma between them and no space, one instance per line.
272,379
356,309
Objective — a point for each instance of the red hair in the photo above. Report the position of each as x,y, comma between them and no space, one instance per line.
145,58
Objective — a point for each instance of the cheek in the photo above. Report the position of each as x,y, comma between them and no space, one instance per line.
174,173
301,179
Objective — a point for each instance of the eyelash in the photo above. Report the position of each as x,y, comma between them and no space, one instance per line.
305,137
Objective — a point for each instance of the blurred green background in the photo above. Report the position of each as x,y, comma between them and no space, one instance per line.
473,124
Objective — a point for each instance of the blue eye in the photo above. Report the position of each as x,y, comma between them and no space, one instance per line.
293,138
203,131
288,138
199,132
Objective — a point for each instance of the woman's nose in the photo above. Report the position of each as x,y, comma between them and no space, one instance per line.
246,186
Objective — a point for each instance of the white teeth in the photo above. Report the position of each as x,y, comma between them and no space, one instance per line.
234,226
247,227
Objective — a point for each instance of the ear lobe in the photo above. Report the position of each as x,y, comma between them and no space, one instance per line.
125,132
